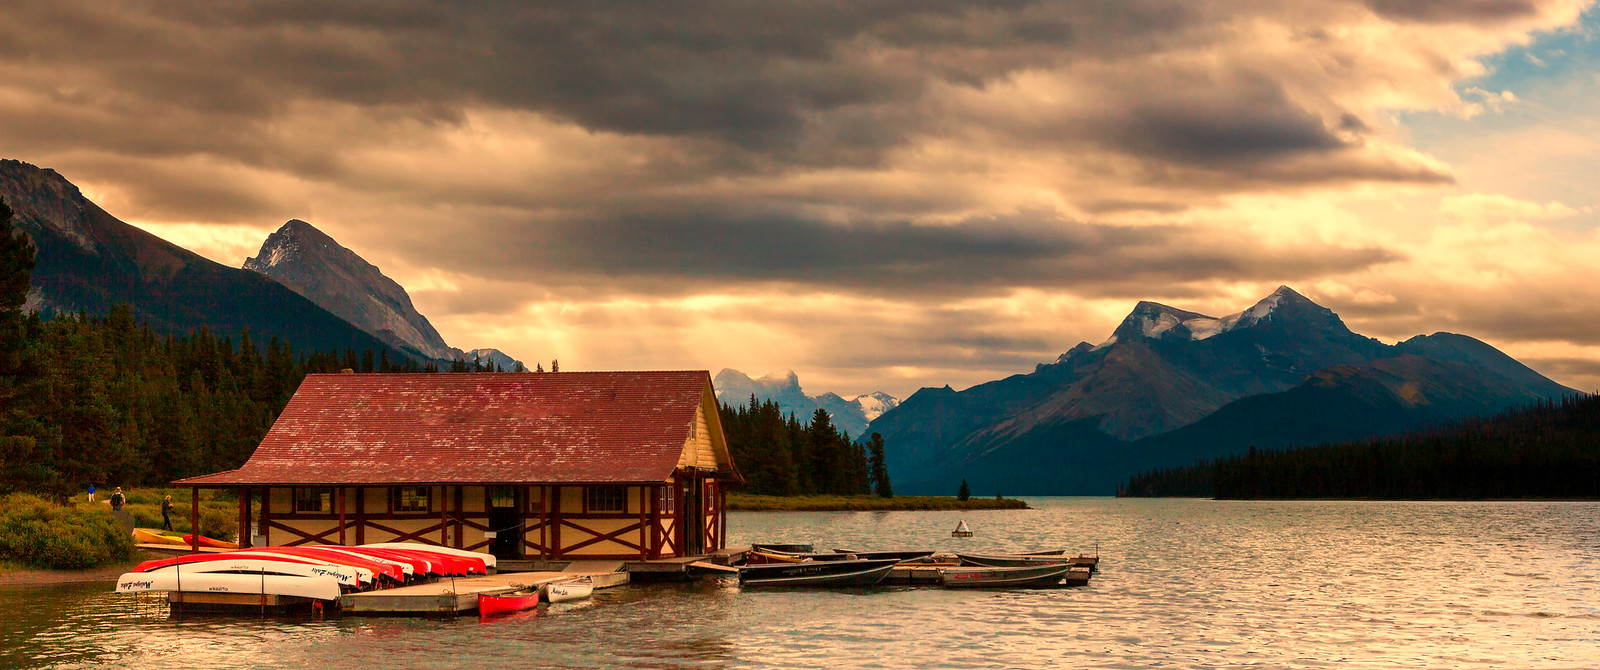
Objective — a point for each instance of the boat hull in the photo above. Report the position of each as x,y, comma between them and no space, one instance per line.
507,603
1039,576
319,588
566,591
1011,561
818,573
345,576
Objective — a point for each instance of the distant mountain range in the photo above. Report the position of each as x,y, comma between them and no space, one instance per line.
316,266
1170,386
783,387
89,261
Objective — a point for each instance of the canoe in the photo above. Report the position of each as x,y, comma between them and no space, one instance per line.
506,603
148,536
818,573
994,578
488,559
1051,552
465,563
320,588
1011,560
347,577
788,548
899,555
560,592
210,542
388,570
363,575
769,557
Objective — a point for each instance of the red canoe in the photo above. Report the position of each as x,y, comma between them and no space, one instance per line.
517,601
388,569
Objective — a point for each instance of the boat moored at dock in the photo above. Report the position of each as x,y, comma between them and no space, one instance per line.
174,581
999,578
818,573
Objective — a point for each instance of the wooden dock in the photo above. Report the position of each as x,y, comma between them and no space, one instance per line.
451,597
642,570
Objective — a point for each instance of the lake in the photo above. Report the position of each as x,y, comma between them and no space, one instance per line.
1183,583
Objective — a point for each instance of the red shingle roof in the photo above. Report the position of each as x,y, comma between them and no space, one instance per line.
567,427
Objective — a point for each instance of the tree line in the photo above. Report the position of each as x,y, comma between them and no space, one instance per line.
1550,449
780,456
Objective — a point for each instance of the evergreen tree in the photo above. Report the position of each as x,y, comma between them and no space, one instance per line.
879,466
963,493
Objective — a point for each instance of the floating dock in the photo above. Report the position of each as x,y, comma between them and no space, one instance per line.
448,597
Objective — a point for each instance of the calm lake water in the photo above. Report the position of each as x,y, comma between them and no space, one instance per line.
1183,583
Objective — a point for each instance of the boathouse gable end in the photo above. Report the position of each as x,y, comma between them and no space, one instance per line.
593,465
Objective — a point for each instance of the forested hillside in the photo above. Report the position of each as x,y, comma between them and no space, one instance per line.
1547,450
778,455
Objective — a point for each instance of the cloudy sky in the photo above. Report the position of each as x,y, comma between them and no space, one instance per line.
879,195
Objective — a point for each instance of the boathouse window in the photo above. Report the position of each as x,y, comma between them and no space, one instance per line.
502,496
606,499
313,500
410,498
666,500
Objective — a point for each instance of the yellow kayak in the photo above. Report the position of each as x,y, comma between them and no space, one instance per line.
151,536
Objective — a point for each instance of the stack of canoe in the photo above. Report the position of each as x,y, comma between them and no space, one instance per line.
319,572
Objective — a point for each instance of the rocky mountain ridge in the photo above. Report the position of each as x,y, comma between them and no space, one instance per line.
783,387
1102,409
316,266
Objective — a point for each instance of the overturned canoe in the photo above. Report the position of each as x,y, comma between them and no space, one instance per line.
363,576
818,573
560,592
488,560
210,542
320,588
345,576
152,536
1002,578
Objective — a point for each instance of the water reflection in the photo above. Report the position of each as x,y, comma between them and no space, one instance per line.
1183,584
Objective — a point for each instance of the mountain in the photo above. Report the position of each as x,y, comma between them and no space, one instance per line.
88,260
316,266
783,387
1171,385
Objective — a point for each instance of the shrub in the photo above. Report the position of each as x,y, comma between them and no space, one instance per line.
44,535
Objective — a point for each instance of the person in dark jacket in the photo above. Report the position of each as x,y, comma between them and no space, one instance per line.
117,499
166,513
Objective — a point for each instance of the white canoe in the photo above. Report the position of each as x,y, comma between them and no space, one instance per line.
320,588
488,559
560,592
365,575
346,576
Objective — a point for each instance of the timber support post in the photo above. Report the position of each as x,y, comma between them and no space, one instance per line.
194,519
244,518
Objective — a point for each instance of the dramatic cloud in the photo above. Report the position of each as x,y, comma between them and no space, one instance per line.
917,193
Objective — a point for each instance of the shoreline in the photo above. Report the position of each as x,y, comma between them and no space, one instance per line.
26,577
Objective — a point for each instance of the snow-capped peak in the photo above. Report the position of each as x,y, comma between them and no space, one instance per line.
1157,321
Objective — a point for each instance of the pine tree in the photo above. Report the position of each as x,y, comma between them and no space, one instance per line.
964,493
879,466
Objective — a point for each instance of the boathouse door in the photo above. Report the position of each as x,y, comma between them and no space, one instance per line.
505,519
694,517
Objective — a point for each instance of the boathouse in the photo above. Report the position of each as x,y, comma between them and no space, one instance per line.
569,465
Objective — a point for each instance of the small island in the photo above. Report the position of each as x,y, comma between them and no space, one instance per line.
747,502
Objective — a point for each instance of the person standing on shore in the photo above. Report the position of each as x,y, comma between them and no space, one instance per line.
117,499
91,493
166,513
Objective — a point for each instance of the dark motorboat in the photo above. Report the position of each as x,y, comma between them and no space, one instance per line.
818,573
1002,578
1012,560
1052,552
898,555
785,548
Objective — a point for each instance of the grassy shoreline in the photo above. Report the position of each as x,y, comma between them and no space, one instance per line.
744,502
